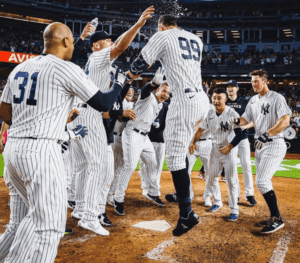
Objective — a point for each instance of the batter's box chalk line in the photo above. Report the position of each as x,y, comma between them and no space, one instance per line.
157,225
156,253
81,239
282,246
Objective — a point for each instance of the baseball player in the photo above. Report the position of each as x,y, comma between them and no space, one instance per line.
239,105
270,115
127,104
36,102
180,54
109,121
224,153
136,143
157,139
94,148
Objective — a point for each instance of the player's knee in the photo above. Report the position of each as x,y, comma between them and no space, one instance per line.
263,186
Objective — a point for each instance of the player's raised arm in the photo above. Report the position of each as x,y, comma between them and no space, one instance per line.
193,146
125,39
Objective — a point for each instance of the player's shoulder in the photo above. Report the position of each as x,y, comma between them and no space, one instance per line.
254,99
275,95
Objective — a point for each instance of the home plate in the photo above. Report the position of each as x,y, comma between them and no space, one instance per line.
158,225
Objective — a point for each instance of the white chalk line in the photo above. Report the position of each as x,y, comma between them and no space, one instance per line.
282,246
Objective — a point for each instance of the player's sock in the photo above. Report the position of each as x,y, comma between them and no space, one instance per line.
271,200
223,172
181,181
202,169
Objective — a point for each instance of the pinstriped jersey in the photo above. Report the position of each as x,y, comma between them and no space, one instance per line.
206,134
221,131
147,110
180,54
266,111
41,91
119,126
98,68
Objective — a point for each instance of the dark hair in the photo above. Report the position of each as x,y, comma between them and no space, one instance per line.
167,20
220,91
261,73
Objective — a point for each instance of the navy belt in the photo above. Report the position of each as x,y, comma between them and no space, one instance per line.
201,140
140,132
82,105
191,90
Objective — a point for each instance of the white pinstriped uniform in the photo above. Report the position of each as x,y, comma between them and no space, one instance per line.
41,91
93,150
117,148
68,159
180,54
204,146
222,134
265,112
136,145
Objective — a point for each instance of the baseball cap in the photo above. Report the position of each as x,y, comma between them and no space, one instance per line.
99,35
233,83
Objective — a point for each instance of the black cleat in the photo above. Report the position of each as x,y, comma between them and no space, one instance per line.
172,198
251,200
274,224
119,208
68,231
155,199
104,220
71,204
186,224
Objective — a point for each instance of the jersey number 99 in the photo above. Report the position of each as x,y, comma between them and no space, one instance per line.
189,46
24,75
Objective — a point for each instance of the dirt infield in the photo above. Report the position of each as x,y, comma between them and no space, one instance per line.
213,240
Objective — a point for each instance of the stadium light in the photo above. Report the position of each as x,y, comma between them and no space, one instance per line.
236,34
219,34
217,31
286,29
234,31
236,37
220,37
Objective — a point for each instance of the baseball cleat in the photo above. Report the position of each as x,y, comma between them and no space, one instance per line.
207,203
201,176
71,204
77,214
233,217
186,224
264,222
222,179
110,200
214,208
93,226
119,208
155,199
172,198
104,220
68,231
251,200
274,224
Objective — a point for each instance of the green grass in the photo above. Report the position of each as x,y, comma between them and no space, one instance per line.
288,169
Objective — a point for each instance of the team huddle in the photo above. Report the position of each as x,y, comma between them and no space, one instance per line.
76,136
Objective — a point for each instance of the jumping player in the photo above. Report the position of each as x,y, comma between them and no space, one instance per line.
180,54
270,115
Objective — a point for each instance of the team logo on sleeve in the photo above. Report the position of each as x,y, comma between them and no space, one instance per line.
265,109
224,127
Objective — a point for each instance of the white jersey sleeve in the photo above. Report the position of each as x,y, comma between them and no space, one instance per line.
155,48
234,114
248,113
204,125
76,82
281,107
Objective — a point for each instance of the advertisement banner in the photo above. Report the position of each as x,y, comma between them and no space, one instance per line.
15,57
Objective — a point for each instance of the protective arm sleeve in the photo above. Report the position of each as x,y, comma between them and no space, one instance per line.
238,137
138,66
147,89
104,101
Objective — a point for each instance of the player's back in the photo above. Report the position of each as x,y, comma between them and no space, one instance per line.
41,93
182,60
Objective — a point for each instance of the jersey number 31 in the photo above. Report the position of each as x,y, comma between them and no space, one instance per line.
25,75
189,46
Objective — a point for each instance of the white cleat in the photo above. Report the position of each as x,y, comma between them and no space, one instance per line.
77,214
94,226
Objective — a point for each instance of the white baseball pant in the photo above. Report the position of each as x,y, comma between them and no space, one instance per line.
216,163
135,145
267,161
35,168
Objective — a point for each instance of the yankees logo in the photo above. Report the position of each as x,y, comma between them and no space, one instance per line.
116,106
265,109
224,127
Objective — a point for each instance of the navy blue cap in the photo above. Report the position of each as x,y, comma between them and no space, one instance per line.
100,35
233,83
